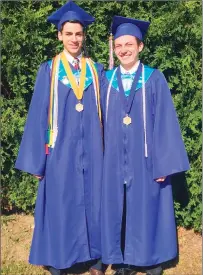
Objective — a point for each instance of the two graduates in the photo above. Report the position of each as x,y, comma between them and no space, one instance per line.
132,222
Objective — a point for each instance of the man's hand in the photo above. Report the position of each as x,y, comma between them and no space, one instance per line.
38,177
162,179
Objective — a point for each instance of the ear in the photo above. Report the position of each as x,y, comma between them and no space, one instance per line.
60,36
141,46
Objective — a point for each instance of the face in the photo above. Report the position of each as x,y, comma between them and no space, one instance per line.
127,50
72,36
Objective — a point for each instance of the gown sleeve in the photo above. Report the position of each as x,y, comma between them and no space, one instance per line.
31,157
168,150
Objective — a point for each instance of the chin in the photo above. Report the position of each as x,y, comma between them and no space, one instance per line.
74,52
126,61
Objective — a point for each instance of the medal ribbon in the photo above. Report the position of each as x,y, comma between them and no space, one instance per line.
78,90
127,102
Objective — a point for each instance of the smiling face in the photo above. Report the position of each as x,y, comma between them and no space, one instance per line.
72,36
127,49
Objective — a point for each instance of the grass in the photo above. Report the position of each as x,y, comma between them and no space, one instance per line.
17,234
21,268
6,219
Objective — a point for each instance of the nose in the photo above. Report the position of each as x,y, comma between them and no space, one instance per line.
123,51
74,38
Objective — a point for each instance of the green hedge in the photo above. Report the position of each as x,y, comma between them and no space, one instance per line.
173,45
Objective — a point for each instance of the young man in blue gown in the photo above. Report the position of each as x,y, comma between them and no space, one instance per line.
143,148
62,146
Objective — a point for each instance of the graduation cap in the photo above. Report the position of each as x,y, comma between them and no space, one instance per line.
126,26
129,26
70,12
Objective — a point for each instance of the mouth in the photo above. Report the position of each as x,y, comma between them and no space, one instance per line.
125,56
74,47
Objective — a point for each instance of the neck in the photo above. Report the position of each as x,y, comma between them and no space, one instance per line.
129,66
73,54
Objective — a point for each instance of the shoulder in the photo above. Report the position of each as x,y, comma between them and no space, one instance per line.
109,73
149,70
49,62
45,66
96,64
99,67
158,82
155,73
43,70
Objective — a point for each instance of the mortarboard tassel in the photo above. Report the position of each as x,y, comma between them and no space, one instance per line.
46,149
111,61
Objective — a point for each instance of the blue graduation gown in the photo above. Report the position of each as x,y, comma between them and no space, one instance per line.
67,213
150,223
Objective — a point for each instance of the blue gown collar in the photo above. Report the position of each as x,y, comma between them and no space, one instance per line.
147,73
64,78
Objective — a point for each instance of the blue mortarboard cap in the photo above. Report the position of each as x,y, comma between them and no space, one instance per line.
68,12
129,26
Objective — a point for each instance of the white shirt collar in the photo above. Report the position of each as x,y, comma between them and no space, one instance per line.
132,70
71,58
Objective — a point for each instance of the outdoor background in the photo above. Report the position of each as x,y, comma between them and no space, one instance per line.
173,44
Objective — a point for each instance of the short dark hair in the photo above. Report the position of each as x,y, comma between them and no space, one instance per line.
71,21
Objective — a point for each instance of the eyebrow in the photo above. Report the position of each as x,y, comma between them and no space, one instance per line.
67,32
117,45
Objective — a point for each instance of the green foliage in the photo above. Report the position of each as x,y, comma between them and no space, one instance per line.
173,45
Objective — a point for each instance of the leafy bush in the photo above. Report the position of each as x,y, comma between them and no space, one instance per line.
173,45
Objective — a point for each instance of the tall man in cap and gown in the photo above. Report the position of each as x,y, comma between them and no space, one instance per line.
62,146
143,148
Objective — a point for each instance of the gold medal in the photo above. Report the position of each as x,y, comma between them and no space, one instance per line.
127,120
79,107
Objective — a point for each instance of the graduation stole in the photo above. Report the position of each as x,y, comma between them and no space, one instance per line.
146,73
51,133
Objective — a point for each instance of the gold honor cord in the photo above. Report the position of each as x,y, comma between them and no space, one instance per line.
97,87
78,90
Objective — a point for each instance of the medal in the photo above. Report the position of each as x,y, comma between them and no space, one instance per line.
127,120
79,107
127,102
